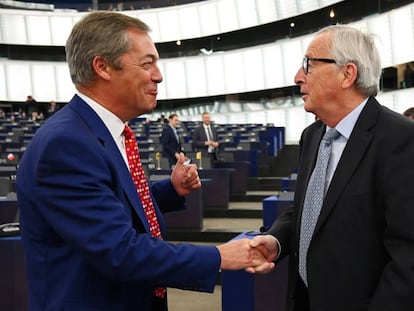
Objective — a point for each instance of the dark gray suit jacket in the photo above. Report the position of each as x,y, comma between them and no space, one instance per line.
361,256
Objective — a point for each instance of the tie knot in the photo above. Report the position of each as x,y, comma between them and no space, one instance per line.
331,135
128,132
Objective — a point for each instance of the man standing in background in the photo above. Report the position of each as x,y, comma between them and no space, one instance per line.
205,138
170,140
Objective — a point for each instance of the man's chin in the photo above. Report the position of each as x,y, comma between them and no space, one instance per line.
308,107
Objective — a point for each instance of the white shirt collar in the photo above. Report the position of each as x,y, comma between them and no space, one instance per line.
111,121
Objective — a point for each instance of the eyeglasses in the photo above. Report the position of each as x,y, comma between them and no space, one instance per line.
305,62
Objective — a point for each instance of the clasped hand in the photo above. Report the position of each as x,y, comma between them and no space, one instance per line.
254,256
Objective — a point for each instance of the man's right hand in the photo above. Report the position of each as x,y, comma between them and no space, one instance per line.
240,254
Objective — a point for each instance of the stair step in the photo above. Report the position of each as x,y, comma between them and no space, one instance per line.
232,213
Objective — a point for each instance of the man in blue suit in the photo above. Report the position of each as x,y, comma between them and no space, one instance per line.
87,241
171,145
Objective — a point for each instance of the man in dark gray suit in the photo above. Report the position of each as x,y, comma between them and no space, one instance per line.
360,252
205,138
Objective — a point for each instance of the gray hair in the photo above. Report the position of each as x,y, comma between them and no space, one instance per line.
350,45
102,34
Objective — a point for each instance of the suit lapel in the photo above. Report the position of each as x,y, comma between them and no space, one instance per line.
354,151
104,136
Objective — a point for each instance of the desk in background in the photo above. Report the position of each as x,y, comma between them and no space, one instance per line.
8,210
238,180
190,218
216,192
275,205
243,291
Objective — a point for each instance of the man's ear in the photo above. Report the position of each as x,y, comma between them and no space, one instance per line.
101,67
350,72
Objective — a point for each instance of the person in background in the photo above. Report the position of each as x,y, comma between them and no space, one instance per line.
205,138
350,232
52,108
92,229
30,108
170,140
409,113
162,119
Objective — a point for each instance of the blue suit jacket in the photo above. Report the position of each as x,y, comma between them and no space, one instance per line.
86,238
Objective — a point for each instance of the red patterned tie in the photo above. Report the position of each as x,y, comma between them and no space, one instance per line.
140,181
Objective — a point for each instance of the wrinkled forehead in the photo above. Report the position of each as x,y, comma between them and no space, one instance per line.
320,46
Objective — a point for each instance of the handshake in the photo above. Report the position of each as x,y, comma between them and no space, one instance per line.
254,256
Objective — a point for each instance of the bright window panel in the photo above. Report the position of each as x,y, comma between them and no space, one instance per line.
273,66
189,22
161,86
266,10
292,59
402,35
227,15
234,72
287,9
38,30
60,27
175,80
64,86
215,75
13,28
256,117
387,99
323,3
43,81
276,116
253,69
307,6
247,13
3,81
209,18
151,20
296,119
196,77
18,81
305,43
236,118
380,26
402,100
169,25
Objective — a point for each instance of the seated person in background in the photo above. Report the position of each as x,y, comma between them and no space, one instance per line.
162,119
205,138
171,145
52,108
